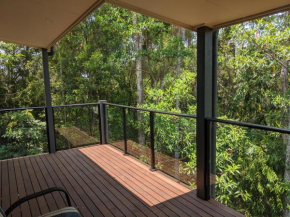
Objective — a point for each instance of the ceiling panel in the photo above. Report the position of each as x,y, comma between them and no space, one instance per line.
40,23
213,13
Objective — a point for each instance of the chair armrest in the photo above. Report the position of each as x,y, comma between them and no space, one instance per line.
35,195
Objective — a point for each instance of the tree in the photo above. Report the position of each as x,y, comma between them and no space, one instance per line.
23,135
140,92
250,63
20,76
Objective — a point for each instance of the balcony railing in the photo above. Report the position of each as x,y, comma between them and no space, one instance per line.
76,125
167,142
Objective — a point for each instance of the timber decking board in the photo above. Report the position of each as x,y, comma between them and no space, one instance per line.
13,187
98,207
152,189
20,187
50,183
5,186
129,197
114,205
182,203
33,204
42,203
135,187
101,182
171,192
187,200
65,183
43,185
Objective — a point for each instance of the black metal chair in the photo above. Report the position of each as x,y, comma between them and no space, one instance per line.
65,212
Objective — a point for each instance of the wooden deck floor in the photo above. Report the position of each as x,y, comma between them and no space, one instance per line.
101,182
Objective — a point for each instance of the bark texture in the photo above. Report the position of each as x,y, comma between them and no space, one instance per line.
140,92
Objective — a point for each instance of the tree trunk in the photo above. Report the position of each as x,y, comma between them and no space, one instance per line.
162,73
62,86
138,49
177,148
188,36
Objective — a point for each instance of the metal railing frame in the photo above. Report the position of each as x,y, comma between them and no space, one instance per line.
46,114
152,126
210,123
103,124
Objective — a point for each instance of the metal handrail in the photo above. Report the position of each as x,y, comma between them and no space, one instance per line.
217,120
43,107
151,110
249,125
74,105
21,109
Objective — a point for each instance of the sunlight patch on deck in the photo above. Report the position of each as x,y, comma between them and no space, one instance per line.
133,174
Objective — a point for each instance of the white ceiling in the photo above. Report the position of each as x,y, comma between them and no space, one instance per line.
40,23
213,13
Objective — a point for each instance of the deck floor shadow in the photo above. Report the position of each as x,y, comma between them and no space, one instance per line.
101,182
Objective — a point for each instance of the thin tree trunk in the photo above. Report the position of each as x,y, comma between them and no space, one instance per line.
188,37
138,48
177,148
62,86
162,72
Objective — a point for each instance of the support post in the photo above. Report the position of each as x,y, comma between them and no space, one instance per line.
125,130
204,109
49,109
104,121
152,145
214,113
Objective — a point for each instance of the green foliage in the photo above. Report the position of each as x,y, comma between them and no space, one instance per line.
21,81
23,135
251,163
251,57
249,176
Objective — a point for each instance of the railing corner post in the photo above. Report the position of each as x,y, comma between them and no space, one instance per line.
125,130
103,122
152,145
48,102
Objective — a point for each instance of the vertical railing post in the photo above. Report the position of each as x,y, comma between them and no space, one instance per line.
204,109
48,103
100,122
152,145
125,130
103,122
